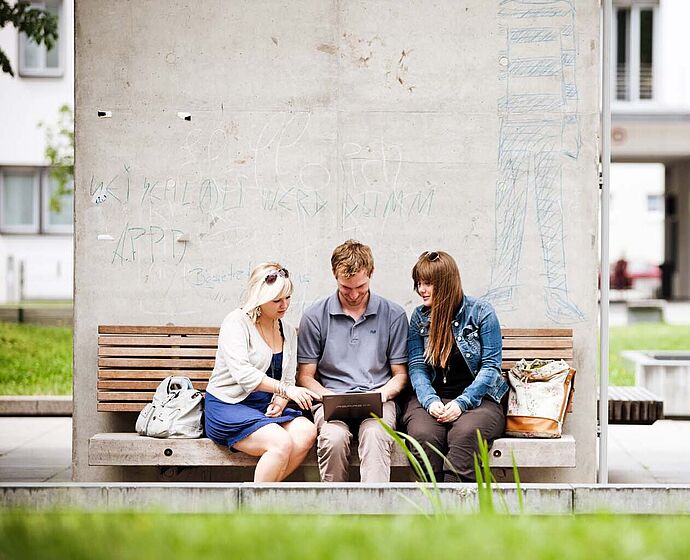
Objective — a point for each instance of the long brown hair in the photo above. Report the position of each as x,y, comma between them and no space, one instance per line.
440,270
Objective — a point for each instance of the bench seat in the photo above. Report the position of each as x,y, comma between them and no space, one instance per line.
129,449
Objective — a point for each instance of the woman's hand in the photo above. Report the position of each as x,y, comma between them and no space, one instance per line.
276,407
302,396
451,412
436,409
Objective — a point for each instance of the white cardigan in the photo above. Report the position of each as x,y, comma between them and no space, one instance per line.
243,358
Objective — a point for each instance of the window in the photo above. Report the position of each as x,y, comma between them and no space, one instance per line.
25,195
35,59
56,222
655,203
634,51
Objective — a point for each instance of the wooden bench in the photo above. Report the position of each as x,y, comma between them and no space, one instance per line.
634,405
132,360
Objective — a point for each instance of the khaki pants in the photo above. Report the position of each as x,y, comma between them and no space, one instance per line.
333,447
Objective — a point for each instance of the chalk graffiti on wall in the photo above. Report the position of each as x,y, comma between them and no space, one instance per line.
373,186
538,129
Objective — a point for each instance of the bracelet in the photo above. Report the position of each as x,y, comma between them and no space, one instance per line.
281,389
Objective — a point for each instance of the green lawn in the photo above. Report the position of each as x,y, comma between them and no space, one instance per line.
105,536
642,336
38,360
35,360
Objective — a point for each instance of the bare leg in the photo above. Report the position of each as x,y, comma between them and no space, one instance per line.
303,434
274,447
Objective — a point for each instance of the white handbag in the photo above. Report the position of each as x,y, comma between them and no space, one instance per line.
175,412
540,392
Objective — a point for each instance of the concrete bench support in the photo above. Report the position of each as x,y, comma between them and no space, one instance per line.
128,449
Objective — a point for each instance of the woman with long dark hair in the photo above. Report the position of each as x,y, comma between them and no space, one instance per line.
454,361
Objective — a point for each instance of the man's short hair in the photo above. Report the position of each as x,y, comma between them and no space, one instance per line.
351,257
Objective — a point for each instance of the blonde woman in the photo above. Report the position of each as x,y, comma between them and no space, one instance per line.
254,378
454,359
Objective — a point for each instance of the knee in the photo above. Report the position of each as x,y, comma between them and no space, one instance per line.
374,433
281,446
333,438
305,436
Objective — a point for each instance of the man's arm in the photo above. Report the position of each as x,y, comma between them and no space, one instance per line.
306,377
395,384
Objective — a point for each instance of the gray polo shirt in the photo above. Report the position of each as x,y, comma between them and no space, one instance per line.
353,355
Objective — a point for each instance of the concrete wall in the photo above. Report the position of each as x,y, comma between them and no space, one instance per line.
405,124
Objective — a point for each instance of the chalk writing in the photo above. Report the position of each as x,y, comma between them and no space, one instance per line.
148,243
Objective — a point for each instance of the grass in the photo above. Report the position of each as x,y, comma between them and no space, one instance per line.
642,336
128,535
35,360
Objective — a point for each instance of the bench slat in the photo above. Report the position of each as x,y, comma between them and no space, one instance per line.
555,342
129,449
120,407
529,353
159,374
128,384
172,340
139,396
154,363
149,329
540,332
156,351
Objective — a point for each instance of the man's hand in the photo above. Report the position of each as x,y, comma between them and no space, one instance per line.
436,409
451,412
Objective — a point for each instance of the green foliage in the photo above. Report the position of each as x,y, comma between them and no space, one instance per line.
35,360
641,336
60,153
38,24
423,471
106,536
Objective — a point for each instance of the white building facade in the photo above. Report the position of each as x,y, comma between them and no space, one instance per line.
36,243
651,124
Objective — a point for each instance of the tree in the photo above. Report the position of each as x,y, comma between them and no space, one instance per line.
60,153
37,24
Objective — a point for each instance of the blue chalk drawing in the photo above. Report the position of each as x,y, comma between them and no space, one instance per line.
538,129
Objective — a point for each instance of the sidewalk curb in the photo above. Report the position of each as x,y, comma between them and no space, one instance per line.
35,406
394,498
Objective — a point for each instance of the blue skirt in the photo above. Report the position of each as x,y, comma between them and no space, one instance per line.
226,424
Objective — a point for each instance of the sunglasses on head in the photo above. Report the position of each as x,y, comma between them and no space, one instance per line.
431,255
273,276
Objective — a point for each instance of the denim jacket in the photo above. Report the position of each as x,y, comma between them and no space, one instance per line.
477,334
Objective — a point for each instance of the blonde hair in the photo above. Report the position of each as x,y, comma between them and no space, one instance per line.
443,274
351,257
259,292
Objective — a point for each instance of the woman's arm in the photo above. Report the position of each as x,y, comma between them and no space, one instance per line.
418,370
490,360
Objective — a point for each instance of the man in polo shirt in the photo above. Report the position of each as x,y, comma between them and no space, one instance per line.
353,340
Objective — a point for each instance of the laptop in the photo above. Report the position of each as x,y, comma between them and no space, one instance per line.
352,406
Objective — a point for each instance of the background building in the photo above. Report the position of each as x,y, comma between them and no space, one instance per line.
651,124
35,242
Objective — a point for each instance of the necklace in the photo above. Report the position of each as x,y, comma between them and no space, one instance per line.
271,341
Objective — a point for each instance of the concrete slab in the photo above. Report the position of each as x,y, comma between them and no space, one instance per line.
659,453
36,405
35,449
647,500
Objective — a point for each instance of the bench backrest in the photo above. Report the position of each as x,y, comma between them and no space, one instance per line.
133,360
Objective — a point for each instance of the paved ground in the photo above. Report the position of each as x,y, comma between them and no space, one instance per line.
38,449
